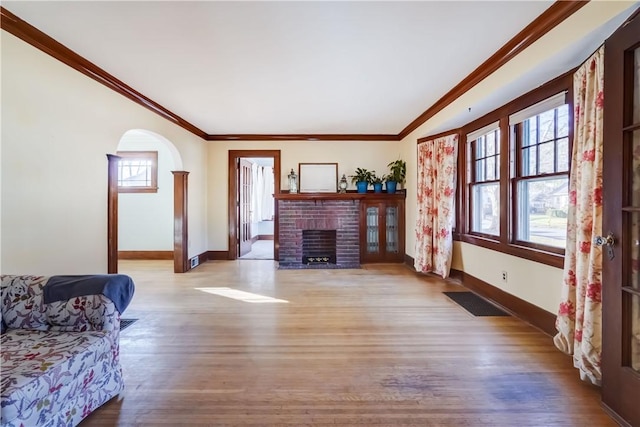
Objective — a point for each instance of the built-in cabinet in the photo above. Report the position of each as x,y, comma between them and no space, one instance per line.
382,228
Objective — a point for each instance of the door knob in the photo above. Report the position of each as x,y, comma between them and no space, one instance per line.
609,240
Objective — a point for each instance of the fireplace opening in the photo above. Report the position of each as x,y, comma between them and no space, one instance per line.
318,247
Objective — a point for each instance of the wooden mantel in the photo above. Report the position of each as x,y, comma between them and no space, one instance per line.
349,195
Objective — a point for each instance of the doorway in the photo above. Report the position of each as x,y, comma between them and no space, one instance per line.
254,178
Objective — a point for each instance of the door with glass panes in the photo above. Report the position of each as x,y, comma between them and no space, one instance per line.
382,231
621,222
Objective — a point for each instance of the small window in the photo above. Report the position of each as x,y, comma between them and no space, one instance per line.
138,172
541,178
484,181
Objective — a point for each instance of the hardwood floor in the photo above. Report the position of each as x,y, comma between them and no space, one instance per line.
375,346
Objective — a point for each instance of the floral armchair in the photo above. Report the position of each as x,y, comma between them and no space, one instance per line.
60,358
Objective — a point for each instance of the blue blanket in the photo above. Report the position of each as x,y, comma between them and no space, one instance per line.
117,287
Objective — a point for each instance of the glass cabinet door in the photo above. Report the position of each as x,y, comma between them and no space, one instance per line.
373,230
392,229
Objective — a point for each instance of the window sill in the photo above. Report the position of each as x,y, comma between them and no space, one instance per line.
537,255
137,190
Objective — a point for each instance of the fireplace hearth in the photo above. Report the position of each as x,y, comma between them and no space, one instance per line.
318,247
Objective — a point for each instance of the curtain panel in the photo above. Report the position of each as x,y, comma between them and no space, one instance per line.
437,176
579,321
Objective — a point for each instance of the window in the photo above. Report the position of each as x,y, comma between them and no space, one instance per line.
540,174
483,172
138,172
515,170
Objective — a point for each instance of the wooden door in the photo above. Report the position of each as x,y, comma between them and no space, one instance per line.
621,218
244,207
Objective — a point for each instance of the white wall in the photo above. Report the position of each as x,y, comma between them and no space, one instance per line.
57,127
372,155
536,283
265,228
145,220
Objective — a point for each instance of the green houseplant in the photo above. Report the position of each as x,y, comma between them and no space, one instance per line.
377,182
362,178
397,174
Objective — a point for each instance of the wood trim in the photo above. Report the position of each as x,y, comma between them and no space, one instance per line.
616,417
524,310
303,137
180,222
36,38
409,262
203,257
154,255
549,19
112,213
531,254
234,155
266,237
217,255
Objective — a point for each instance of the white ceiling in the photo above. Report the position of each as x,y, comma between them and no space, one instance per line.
290,67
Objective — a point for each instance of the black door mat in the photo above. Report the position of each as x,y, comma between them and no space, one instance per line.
125,323
474,304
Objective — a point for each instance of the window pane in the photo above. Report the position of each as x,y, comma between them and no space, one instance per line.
491,146
529,160
547,125
562,154
547,157
491,168
485,217
134,173
563,121
490,139
530,132
480,147
542,211
480,175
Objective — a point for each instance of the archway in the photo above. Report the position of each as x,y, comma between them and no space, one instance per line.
143,214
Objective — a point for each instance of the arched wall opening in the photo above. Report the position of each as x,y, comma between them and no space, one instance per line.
146,220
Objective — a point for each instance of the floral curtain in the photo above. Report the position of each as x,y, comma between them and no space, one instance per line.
437,173
579,321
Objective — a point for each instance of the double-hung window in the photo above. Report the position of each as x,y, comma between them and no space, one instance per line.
540,174
483,180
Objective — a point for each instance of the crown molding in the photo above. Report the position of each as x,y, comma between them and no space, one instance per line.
549,19
303,137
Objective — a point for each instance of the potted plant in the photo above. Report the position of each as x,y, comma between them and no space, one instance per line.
377,182
397,173
362,178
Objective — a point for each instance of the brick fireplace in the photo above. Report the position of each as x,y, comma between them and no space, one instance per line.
311,218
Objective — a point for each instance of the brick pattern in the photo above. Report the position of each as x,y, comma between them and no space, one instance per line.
340,215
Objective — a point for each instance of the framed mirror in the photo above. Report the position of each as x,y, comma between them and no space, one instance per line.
318,177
